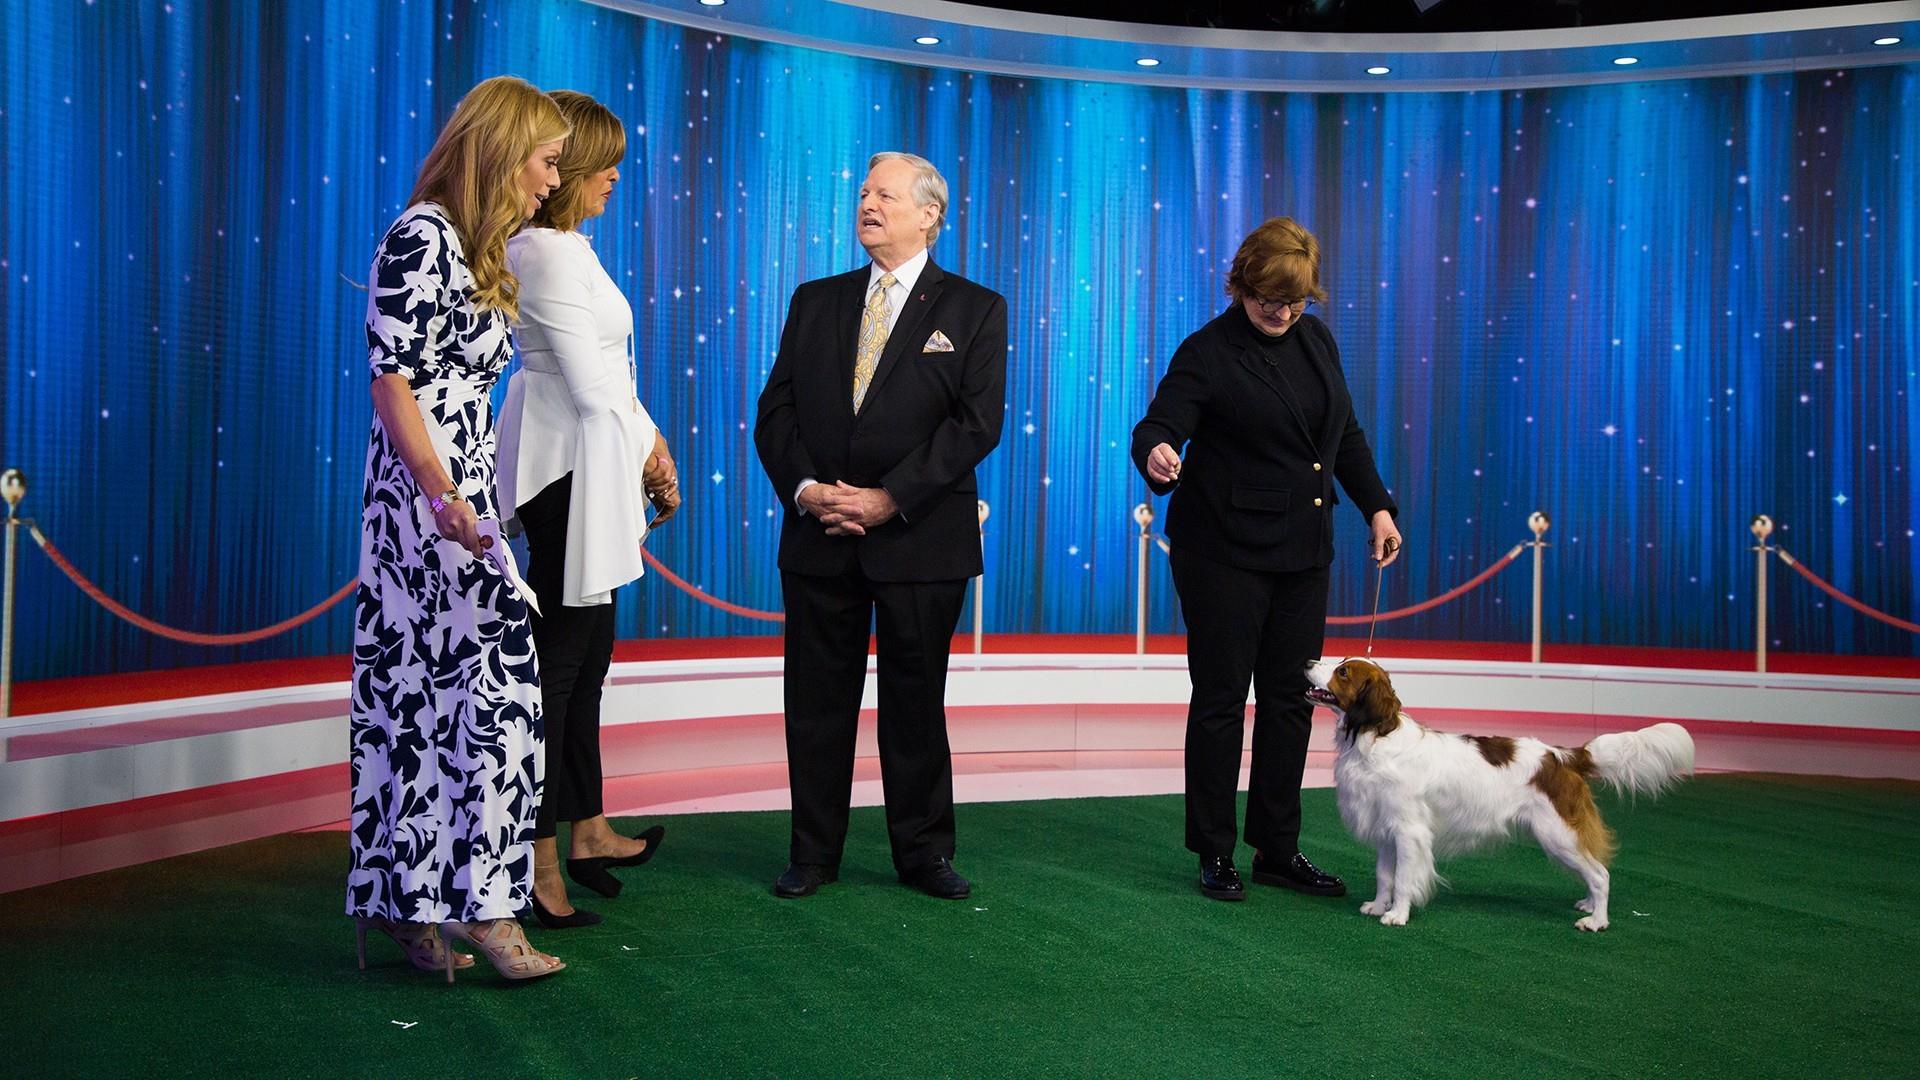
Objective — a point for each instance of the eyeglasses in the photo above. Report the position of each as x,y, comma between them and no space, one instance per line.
1271,307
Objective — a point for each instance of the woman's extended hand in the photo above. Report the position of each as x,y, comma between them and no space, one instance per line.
1163,465
1384,544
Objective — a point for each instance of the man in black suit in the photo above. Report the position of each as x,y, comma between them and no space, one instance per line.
888,389
1258,398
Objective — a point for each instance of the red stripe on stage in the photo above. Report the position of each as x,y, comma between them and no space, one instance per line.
54,847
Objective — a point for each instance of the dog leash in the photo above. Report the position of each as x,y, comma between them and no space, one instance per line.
1379,579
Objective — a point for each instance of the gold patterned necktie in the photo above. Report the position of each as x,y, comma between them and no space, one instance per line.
873,337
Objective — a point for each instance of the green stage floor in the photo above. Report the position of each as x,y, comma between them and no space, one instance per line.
1761,927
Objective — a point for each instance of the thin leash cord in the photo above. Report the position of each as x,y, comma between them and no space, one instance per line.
1379,580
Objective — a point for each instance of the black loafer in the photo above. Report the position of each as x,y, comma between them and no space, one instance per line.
939,879
1219,880
1298,874
804,879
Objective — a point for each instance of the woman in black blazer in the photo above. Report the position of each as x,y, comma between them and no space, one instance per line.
1258,400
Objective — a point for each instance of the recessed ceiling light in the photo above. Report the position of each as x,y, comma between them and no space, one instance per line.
713,3
1886,41
1147,61
1379,69
926,39
1626,61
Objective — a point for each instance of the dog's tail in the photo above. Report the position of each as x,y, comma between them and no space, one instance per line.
1644,762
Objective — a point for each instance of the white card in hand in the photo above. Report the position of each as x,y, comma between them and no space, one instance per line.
502,557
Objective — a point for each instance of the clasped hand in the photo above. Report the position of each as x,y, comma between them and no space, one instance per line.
662,483
847,510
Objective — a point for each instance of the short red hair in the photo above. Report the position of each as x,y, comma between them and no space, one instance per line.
1280,260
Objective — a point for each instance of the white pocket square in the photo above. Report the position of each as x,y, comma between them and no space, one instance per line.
938,343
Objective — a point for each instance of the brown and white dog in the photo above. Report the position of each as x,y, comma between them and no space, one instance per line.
1411,791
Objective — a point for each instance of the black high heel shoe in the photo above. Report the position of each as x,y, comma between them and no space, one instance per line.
593,874
578,918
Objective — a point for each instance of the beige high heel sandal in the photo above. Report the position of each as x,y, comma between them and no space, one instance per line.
424,949
505,947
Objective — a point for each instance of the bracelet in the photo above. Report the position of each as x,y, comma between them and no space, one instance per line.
439,502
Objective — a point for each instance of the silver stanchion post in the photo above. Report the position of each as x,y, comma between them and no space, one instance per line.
1762,527
13,488
980,583
1143,517
1539,523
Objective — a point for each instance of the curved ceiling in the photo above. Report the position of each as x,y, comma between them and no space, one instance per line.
936,33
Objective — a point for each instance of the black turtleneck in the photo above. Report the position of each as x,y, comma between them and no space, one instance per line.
1286,360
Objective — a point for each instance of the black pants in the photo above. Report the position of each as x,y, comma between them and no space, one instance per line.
575,647
1248,625
826,667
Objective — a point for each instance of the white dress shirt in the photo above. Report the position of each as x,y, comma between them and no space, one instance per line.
571,408
904,277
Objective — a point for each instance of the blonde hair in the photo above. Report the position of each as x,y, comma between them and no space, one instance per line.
598,142
473,173
1280,260
928,186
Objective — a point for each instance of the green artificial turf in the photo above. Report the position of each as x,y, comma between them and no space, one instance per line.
1761,927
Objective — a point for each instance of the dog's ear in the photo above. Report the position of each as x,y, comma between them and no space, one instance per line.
1374,702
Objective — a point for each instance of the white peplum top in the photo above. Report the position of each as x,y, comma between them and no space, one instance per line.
572,408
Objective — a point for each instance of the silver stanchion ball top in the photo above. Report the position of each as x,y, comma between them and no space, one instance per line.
1762,526
1143,515
983,508
13,487
1539,522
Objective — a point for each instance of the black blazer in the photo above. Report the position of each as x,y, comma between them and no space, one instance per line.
1256,487
928,418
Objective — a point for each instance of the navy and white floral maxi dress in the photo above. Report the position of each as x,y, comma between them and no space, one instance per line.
445,753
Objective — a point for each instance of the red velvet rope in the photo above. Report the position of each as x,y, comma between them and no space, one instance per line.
191,637
1843,597
1399,613
708,598
94,593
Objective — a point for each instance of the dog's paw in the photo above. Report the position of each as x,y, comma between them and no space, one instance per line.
1591,923
1584,903
1374,907
1394,918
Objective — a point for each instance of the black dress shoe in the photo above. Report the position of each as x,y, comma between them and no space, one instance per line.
938,879
1298,874
803,879
1219,880
593,872
572,920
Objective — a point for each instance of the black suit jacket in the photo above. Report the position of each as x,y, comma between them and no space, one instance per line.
1256,486
928,418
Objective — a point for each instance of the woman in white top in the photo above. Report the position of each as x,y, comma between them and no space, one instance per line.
580,460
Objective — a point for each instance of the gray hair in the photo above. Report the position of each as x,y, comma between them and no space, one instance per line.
928,186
